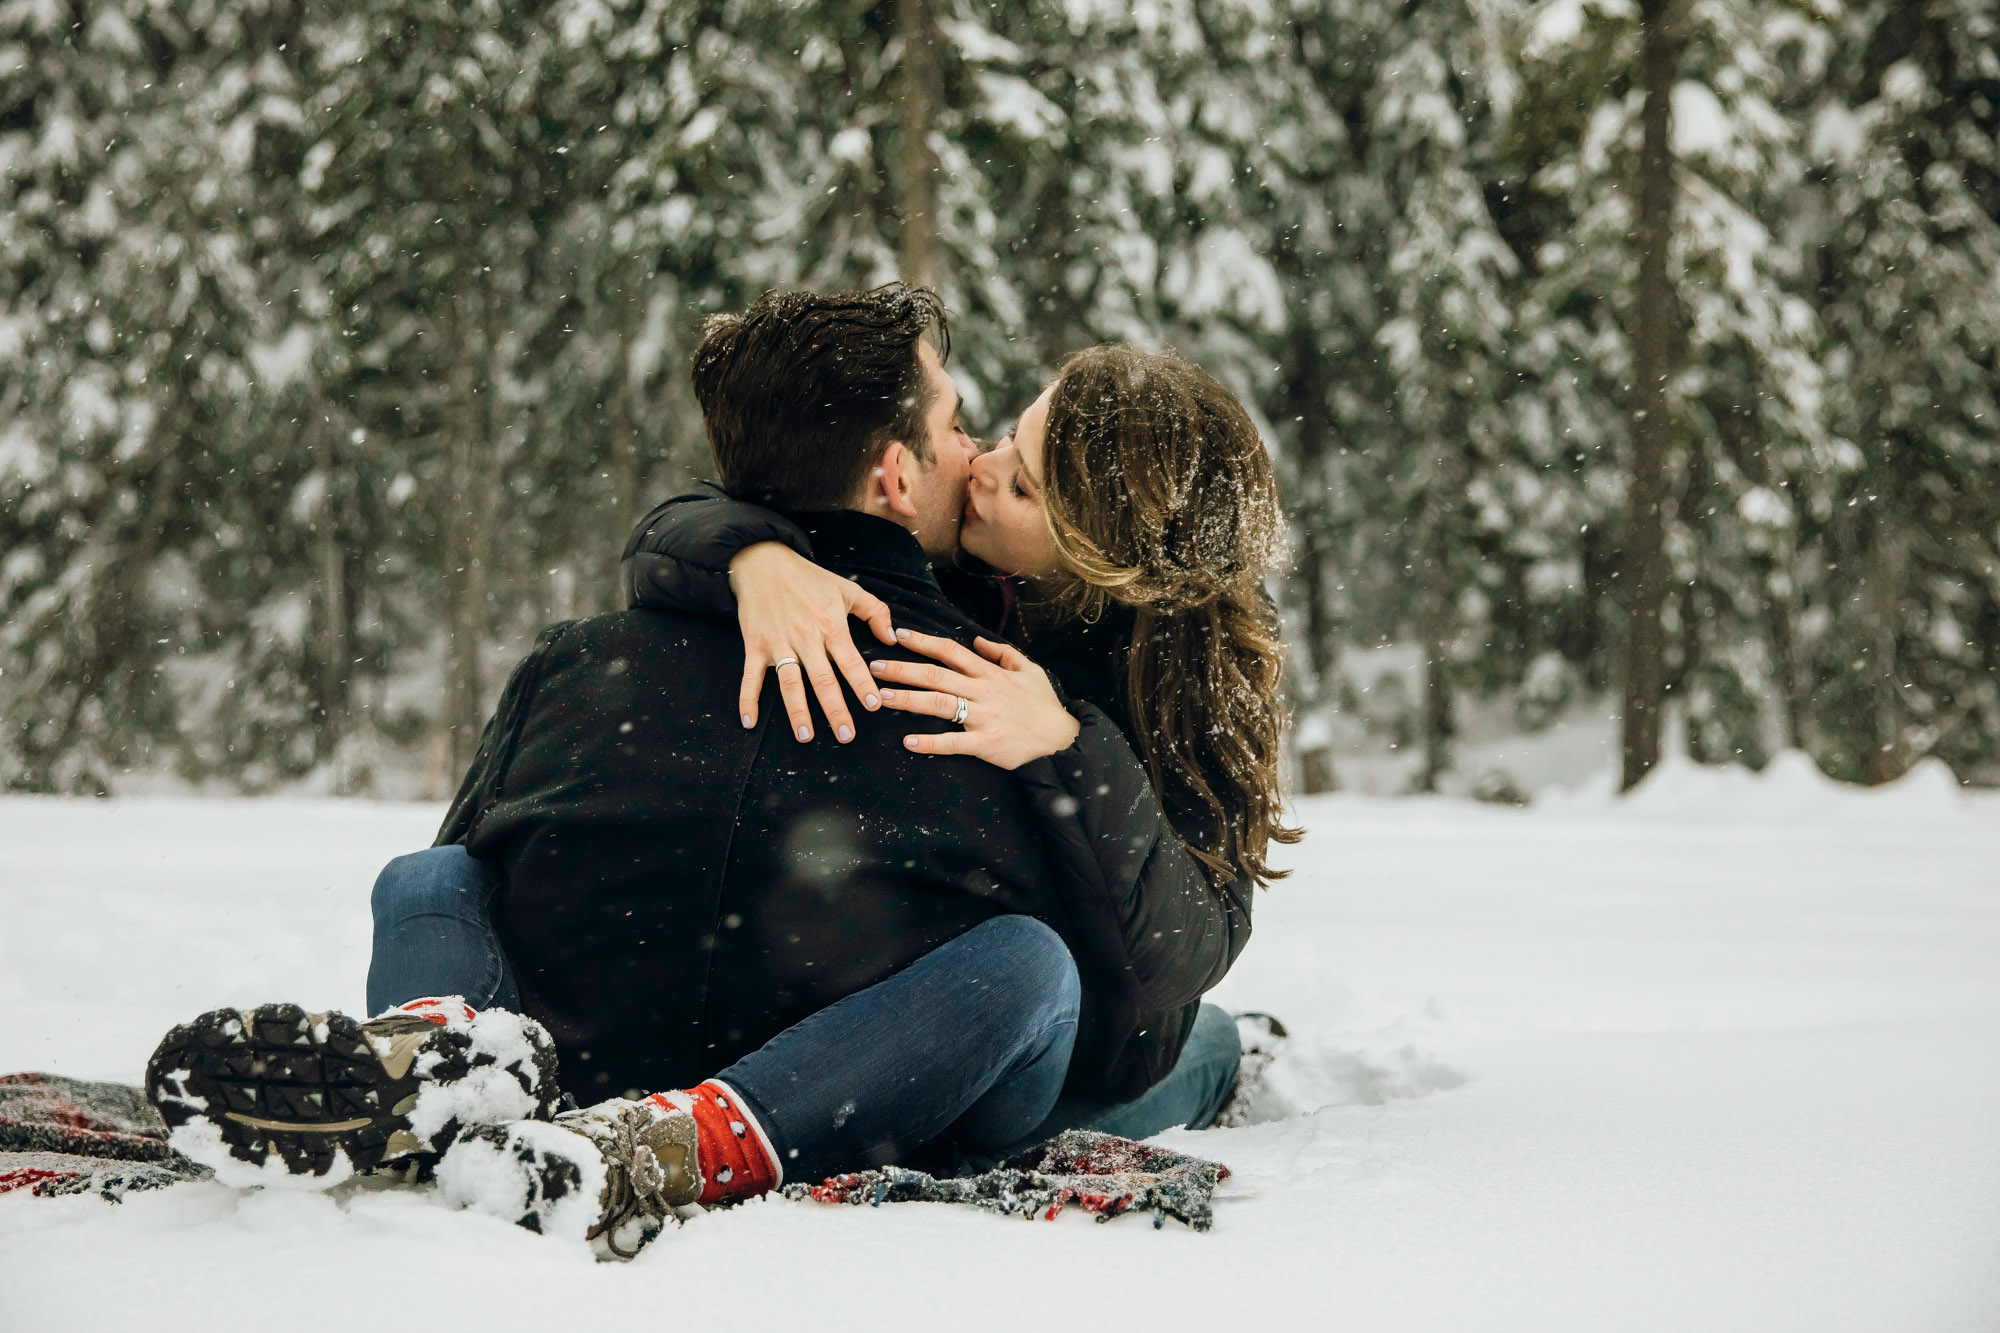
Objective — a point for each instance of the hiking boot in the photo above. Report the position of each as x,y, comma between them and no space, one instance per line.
610,1174
1254,1101
276,1094
613,1173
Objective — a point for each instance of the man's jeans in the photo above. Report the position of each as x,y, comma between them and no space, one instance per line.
971,1041
434,933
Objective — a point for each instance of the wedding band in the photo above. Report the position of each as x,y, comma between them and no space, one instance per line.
784,662
963,706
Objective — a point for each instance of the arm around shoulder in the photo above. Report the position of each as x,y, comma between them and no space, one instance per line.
678,556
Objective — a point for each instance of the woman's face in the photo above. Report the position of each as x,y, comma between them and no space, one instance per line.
1004,520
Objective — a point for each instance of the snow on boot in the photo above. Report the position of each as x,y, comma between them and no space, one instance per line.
1254,1101
276,1095
612,1173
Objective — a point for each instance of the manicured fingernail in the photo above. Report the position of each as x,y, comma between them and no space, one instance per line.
902,634
805,733
845,733
888,694
878,666
749,721
910,741
870,701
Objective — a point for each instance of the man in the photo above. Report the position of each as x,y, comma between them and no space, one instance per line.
681,889
856,944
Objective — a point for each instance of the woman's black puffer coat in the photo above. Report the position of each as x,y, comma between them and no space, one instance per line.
1150,934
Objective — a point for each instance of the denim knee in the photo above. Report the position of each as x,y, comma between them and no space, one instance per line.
1216,1049
436,881
1213,1037
1031,965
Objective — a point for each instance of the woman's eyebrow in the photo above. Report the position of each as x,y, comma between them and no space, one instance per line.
1021,466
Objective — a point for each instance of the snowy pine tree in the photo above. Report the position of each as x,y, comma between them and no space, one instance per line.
1902,628
144,354
340,339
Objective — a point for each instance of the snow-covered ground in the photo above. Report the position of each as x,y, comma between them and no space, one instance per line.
1722,1056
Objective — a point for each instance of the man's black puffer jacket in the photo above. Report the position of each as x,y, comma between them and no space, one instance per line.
1149,931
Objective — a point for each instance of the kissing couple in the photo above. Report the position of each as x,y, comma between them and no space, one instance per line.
675,948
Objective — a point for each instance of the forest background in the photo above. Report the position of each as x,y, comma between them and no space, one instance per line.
1631,351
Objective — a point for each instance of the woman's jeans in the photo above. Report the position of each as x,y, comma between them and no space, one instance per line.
971,1041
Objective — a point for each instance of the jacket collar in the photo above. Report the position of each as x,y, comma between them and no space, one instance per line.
858,543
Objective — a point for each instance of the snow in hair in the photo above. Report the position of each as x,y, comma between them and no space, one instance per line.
1160,497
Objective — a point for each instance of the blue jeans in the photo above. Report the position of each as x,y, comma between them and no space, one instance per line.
434,933
971,1041
1191,1095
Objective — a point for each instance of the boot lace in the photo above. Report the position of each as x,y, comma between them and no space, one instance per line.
636,1181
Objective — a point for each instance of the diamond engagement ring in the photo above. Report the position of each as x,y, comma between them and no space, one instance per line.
784,662
963,706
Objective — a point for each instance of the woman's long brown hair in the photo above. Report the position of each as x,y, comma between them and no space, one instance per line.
1160,496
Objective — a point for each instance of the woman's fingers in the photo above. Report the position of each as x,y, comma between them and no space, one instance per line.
927,702
754,666
923,675
847,659
792,687
948,651
807,669
826,688
942,742
1003,655
866,606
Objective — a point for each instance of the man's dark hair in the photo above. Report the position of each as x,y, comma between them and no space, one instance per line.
803,390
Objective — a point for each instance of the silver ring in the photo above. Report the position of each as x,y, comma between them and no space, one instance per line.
784,662
964,705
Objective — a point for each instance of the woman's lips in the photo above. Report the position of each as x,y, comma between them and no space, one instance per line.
971,514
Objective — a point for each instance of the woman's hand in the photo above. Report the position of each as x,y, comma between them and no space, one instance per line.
788,607
1012,713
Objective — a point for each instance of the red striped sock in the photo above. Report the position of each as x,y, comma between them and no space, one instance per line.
438,1009
736,1159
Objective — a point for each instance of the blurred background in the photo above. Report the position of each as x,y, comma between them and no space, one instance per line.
1630,364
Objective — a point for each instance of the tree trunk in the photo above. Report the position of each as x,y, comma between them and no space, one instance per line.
1316,769
113,646
1440,717
334,654
922,94
1784,659
468,544
1652,353
1888,756
625,480
1306,395
1436,590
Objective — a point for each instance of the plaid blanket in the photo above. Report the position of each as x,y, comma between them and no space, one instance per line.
65,1136
1099,1173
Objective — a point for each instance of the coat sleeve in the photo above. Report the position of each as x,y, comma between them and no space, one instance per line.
678,557
1142,899
486,775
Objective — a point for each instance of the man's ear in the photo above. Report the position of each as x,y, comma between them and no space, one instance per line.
892,485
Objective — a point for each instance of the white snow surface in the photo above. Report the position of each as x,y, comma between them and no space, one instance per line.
1722,1056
